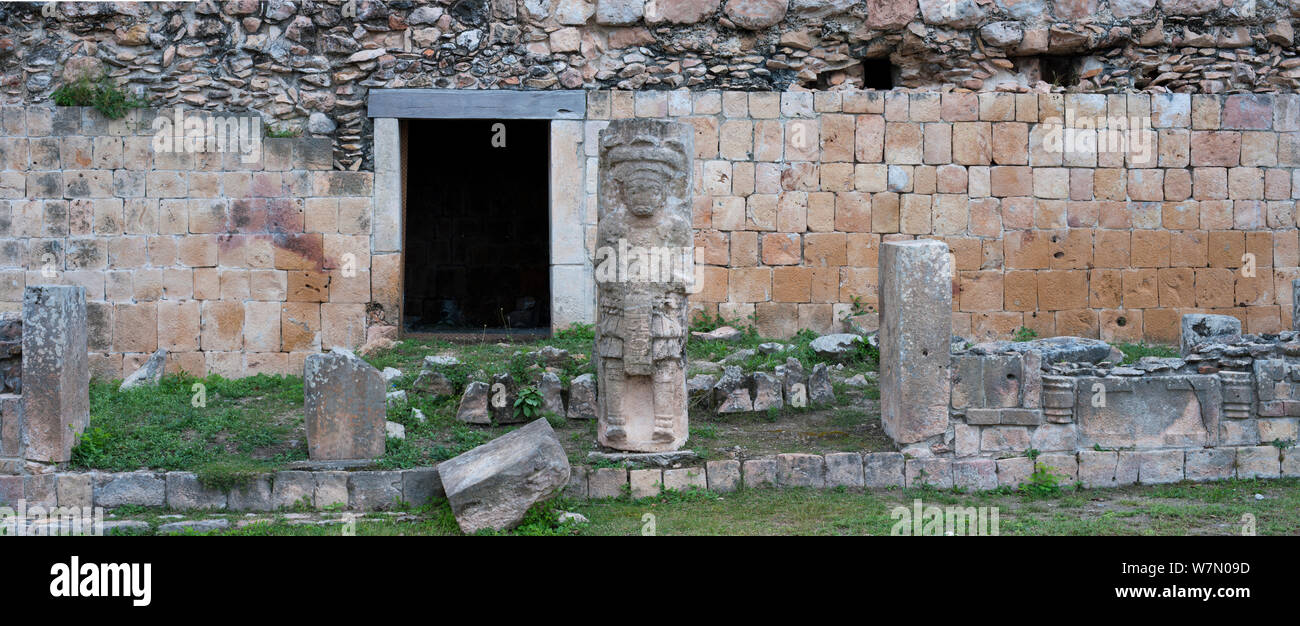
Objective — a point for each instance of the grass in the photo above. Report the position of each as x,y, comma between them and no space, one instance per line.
1134,351
1180,509
225,430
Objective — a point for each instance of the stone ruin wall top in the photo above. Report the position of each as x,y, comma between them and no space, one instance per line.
311,64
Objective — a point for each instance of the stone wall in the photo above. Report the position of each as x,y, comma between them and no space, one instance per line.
796,191
232,267
310,64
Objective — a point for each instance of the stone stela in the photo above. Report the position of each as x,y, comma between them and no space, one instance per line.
645,202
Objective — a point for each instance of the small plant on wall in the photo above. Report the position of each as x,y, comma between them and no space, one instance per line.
107,97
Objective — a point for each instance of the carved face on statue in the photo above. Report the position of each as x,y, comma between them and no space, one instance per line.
644,190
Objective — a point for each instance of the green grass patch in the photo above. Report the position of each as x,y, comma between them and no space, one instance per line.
1134,351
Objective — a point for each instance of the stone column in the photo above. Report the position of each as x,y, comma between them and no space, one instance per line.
345,407
645,255
56,371
915,338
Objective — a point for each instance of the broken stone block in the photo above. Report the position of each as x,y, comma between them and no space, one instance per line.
700,388
1148,412
844,469
501,400
684,478
149,374
935,472
184,493
1199,328
582,398
731,393
75,490
837,346
760,473
606,482
722,476
1239,433
56,371
766,390
915,333
794,378
1210,464
473,405
435,383
820,390
1258,462
645,483
393,430
975,474
882,469
1159,467
374,491
551,388
494,485
801,470
1051,349
345,407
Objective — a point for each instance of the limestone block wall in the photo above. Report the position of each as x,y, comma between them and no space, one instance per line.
233,267
795,192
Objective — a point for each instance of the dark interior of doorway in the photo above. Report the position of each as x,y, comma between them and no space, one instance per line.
477,227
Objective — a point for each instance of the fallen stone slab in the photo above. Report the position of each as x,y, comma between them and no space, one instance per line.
657,459
473,404
836,346
494,485
582,398
721,333
345,407
149,374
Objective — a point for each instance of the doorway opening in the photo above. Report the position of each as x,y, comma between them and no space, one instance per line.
477,248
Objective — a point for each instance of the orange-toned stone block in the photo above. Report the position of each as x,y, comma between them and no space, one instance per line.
781,249
1149,248
1106,288
343,325
222,327
750,284
1141,289
1177,287
991,326
300,326
1062,289
1120,326
1188,248
1214,287
1077,323
981,291
1226,247
791,284
1111,248
135,327
178,326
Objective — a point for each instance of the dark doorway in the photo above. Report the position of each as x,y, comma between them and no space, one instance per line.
477,225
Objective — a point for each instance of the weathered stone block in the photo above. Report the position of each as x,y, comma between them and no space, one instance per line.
1290,463
915,333
975,474
11,425
56,371
1065,465
474,404
331,489
184,492
1148,412
75,490
1158,467
577,486
606,482
844,469
882,469
760,473
683,478
801,470
1196,328
345,407
501,400
130,488
255,496
1097,468
1239,432
645,483
421,485
374,491
493,485
1054,438
1014,471
723,476
1258,462
40,490
582,397
1209,464
290,489
932,471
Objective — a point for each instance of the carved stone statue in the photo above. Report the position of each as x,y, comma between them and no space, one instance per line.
644,266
